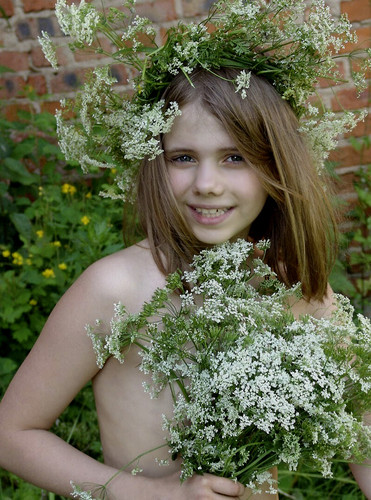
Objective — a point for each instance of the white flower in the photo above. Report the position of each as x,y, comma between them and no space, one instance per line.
243,82
49,49
80,22
80,493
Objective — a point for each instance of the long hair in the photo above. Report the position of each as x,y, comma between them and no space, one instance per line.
297,218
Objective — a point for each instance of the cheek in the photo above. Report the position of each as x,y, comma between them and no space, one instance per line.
177,181
251,188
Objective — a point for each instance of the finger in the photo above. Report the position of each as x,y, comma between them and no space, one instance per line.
226,487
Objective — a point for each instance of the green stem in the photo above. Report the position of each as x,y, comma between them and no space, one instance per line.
136,459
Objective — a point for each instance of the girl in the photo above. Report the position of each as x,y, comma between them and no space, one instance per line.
231,168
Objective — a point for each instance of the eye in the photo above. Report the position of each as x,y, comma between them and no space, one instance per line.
181,159
235,159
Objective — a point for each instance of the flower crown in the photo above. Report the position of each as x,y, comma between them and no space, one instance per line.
292,43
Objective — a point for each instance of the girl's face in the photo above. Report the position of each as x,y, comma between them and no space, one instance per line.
217,191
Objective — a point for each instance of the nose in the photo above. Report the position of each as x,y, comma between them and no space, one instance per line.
208,180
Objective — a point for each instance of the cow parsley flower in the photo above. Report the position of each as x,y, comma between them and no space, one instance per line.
81,21
48,48
248,379
243,83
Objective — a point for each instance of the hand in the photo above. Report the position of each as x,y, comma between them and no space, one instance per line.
206,487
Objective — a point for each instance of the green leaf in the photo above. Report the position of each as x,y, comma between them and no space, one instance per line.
24,148
7,365
22,224
11,313
22,334
357,144
5,149
364,196
5,69
339,282
15,171
52,150
24,115
45,122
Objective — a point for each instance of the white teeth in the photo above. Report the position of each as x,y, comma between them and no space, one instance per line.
211,212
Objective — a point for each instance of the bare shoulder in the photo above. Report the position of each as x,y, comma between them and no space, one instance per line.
62,360
316,308
129,276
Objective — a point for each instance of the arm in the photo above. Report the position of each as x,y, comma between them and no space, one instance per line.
60,364
362,473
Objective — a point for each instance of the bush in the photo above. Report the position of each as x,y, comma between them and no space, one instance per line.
54,225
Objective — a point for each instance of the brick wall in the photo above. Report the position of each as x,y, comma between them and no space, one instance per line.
22,20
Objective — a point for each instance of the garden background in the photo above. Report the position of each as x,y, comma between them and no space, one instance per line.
54,224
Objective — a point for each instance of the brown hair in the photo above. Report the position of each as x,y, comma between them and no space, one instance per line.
297,218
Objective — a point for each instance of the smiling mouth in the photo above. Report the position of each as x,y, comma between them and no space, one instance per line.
211,212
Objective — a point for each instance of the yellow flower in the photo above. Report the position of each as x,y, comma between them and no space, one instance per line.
88,195
28,262
6,253
114,170
85,220
40,233
33,302
48,273
68,189
62,266
17,259
57,243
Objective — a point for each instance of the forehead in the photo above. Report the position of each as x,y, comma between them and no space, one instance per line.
195,128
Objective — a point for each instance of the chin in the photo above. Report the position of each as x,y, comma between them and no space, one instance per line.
208,241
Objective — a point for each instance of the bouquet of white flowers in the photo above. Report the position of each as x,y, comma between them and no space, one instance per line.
253,386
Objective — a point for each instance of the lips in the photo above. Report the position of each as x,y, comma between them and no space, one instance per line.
211,212
209,215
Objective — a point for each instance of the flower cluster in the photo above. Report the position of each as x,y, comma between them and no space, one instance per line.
291,43
253,386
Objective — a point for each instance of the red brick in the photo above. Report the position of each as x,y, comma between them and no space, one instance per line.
90,55
364,37
347,156
345,183
119,71
39,61
50,106
26,29
350,202
37,5
37,83
11,86
8,8
347,99
193,8
11,110
17,61
357,10
158,11
361,129
356,66
66,81
324,83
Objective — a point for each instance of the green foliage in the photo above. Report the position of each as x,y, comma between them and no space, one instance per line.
306,485
352,272
54,224
52,230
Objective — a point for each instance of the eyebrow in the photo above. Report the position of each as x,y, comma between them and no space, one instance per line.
232,149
